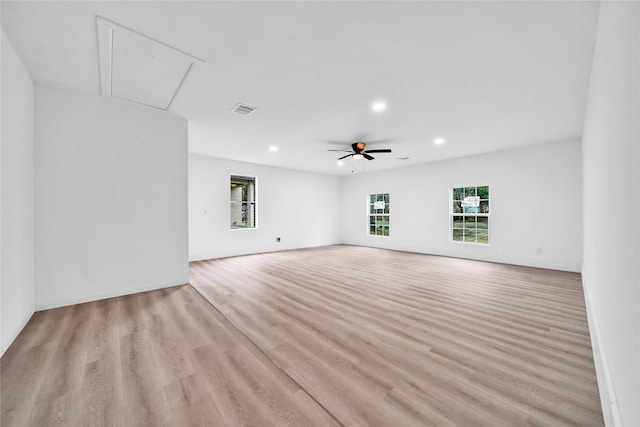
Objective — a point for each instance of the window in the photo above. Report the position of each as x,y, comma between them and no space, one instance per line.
470,215
243,202
379,214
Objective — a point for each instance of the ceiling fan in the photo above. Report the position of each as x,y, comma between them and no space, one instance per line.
359,151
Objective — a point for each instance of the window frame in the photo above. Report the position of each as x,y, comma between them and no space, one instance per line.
475,215
369,205
254,203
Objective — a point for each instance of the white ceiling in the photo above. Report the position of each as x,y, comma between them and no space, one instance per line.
484,75
140,69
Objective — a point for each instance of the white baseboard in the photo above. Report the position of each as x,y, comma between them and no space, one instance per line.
562,264
608,398
214,254
104,295
7,341
479,253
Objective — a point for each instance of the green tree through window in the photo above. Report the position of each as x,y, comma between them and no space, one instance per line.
470,214
379,214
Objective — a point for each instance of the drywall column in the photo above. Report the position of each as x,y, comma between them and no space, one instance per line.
611,209
110,198
16,153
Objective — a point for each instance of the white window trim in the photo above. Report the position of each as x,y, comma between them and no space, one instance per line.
369,215
452,214
255,184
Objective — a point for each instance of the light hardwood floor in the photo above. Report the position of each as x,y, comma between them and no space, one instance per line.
338,335
388,338
161,358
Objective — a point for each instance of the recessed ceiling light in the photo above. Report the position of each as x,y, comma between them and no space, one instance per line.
439,141
379,106
273,148
340,163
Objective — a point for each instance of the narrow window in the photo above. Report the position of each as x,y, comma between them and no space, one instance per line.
243,202
470,215
379,214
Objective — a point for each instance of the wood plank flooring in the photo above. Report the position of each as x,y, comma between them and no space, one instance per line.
161,358
387,338
337,336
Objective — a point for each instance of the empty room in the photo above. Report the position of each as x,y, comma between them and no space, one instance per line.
320,213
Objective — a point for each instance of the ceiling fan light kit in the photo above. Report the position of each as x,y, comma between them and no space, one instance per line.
359,151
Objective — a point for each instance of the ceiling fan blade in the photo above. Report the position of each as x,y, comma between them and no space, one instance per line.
384,150
344,151
366,156
344,157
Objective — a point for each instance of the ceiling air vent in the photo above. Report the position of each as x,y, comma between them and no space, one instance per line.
243,109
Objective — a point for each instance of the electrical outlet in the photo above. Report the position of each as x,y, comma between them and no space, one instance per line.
539,251
278,239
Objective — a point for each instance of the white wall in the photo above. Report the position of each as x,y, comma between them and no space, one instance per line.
301,208
17,294
611,272
110,198
535,202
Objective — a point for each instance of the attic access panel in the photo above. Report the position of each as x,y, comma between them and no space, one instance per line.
139,69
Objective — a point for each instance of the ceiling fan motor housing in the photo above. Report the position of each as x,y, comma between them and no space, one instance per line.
359,152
